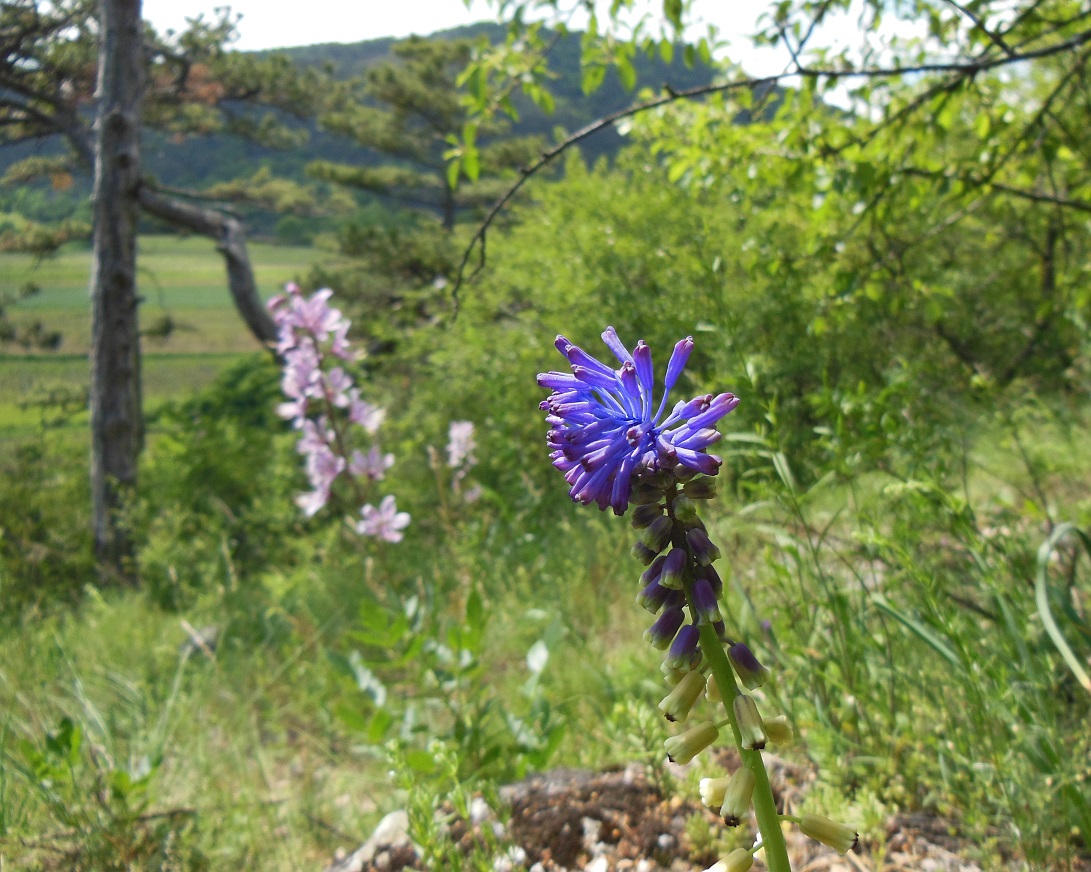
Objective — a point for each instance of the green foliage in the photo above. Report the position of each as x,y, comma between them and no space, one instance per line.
216,489
106,801
45,542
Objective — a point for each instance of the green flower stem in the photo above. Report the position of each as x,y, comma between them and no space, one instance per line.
765,809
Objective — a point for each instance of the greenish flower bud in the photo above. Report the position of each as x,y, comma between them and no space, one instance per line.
642,553
684,509
645,514
822,829
712,690
736,802
645,492
778,730
676,705
685,746
672,674
657,534
713,790
683,473
739,860
703,488
750,724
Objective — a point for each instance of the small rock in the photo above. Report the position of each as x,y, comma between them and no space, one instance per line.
392,832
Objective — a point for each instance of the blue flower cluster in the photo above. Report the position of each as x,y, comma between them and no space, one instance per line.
605,425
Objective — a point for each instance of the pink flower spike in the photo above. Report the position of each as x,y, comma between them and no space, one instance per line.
386,522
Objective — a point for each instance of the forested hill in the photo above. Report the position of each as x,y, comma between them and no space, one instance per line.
211,159
196,162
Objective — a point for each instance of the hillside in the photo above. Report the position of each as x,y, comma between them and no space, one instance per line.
197,162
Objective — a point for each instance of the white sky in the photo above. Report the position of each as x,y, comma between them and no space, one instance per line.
279,23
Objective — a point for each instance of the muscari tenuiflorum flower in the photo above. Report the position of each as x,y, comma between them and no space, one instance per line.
606,423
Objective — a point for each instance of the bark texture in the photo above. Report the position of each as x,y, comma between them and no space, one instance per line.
117,431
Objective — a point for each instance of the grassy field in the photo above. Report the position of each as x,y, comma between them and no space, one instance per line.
180,277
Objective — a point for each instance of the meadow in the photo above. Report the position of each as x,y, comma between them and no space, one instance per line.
898,550
179,278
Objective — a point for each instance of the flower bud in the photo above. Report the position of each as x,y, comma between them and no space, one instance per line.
736,802
701,546
657,534
778,730
750,724
705,608
751,673
822,829
645,514
683,650
654,570
685,746
683,473
713,790
712,689
642,553
684,509
671,675
645,492
659,634
709,574
673,567
653,596
703,488
676,705
739,860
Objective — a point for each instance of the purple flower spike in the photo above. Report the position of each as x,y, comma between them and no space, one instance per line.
603,428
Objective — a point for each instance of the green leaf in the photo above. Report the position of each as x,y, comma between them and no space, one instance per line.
672,11
925,633
626,72
454,169
593,75
1041,599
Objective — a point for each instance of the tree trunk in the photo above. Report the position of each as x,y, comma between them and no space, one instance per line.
117,430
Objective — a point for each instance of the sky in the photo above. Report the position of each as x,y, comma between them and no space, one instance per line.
279,23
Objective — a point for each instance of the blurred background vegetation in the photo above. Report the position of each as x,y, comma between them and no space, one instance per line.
901,301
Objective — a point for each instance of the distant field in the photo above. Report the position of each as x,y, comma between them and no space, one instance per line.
182,278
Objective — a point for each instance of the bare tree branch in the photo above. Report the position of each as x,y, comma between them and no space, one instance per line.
960,70
230,238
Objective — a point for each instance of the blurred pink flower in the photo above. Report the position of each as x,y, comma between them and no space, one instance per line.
386,522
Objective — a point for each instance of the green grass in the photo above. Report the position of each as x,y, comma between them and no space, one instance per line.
30,385
180,277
